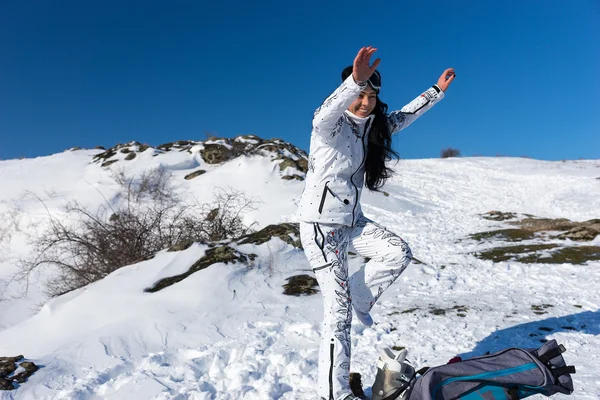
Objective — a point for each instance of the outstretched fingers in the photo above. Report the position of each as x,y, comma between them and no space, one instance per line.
362,68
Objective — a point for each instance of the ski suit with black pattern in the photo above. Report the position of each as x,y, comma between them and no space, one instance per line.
332,222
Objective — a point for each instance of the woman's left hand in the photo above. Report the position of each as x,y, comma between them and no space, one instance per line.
446,78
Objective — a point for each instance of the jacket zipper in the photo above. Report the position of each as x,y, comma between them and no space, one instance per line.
331,372
323,197
359,167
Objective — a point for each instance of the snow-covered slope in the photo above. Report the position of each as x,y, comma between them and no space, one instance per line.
229,332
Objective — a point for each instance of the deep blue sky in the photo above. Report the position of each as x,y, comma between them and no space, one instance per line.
81,73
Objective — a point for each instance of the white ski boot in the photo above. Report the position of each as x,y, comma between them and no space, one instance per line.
394,374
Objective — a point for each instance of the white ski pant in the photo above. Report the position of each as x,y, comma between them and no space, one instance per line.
326,247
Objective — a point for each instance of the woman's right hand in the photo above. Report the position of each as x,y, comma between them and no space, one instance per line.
361,70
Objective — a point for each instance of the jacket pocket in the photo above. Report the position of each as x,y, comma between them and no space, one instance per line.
325,190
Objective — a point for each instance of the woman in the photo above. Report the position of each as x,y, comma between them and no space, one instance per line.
350,142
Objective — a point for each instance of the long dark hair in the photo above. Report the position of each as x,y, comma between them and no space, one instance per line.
379,149
379,144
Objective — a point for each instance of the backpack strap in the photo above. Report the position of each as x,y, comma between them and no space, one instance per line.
567,369
552,353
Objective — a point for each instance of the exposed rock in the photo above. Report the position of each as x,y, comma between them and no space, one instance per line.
580,233
221,254
130,156
499,216
219,150
194,174
106,164
290,177
181,145
6,384
283,231
128,148
8,366
22,376
545,224
216,153
300,285
99,148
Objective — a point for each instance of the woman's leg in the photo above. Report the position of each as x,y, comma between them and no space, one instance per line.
389,256
326,248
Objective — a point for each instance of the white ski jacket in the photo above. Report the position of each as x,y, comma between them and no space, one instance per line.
338,149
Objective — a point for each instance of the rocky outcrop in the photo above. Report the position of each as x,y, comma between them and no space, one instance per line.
300,285
226,252
8,367
288,232
292,162
108,157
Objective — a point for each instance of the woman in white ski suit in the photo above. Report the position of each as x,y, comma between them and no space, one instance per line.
342,140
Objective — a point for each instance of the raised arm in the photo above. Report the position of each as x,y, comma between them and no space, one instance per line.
333,107
401,119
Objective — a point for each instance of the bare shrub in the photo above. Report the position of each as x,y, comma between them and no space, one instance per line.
86,245
449,152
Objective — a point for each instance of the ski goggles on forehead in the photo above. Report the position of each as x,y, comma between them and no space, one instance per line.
375,80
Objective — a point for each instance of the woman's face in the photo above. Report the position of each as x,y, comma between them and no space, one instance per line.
365,103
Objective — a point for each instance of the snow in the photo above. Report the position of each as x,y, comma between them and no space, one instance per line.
228,331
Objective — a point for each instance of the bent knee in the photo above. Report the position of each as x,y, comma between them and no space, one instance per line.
401,257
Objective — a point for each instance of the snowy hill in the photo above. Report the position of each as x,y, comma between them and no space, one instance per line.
228,331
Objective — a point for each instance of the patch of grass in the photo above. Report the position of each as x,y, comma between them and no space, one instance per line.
509,252
511,235
398,348
568,255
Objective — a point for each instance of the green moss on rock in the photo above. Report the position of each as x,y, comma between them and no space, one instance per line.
221,254
283,231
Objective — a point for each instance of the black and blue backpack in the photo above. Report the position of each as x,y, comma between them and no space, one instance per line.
510,374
